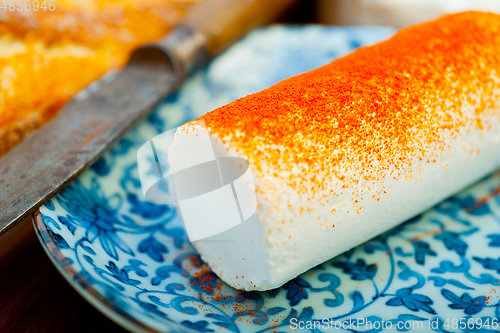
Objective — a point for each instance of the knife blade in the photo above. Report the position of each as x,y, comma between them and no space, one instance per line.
54,155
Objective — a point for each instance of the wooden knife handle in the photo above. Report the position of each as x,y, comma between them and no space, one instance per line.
223,21
207,29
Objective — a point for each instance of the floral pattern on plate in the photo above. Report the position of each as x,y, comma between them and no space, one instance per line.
132,259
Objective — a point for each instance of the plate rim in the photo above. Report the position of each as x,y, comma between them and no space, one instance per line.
82,286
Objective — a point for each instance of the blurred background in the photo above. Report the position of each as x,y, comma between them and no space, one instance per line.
396,13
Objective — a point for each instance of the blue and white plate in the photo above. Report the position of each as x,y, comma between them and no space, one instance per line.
131,259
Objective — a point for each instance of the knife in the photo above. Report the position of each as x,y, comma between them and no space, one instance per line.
51,157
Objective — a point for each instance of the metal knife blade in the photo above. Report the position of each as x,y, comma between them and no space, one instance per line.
50,158
47,160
